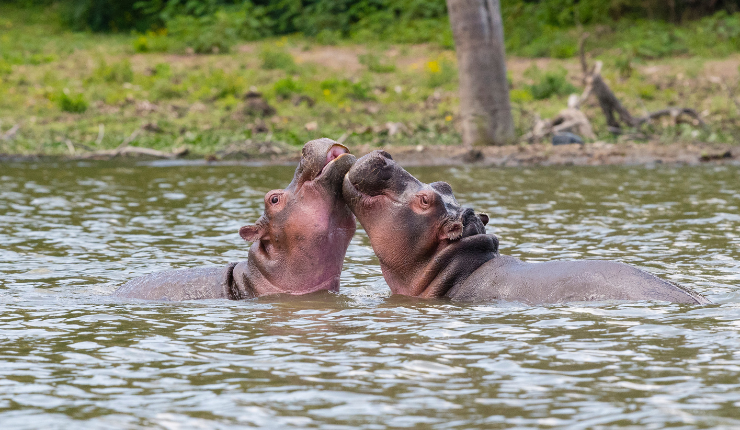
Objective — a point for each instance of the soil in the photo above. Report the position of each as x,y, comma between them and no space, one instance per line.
591,154
594,154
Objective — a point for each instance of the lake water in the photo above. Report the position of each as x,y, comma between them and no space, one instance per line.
73,357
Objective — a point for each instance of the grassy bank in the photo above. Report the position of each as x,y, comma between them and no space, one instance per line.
83,92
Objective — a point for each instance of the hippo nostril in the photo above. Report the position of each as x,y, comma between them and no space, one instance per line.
385,154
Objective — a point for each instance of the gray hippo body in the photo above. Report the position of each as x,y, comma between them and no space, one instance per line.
430,246
199,283
510,279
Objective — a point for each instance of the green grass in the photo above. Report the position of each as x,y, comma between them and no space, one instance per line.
60,85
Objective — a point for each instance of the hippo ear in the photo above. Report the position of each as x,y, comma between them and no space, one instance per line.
483,217
452,230
251,233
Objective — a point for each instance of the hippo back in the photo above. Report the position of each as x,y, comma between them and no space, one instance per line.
211,282
508,278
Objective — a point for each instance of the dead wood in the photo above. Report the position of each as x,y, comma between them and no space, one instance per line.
609,103
617,116
10,134
568,120
674,113
582,51
124,148
109,154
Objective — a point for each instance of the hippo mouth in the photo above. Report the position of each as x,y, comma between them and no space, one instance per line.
334,153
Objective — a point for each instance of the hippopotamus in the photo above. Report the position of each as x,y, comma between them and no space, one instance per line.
429,246
298,246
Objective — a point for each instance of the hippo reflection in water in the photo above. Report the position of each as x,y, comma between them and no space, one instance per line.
299,241
429,246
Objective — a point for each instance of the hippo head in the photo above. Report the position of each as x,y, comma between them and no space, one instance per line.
408,221
302,236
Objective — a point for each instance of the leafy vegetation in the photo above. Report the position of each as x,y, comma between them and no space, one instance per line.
549,83
277,59
61,86
69,102
534,28
375,64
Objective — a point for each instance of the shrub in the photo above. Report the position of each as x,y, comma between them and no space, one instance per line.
328,37
361,91
119,72
440,72
225,84
273,59
374,64
520,95
624,66
141,44
5,68
344,88
647,91
106,15
162,70
333,84
550,83
152,42
165,89
68,102
286,87
204,35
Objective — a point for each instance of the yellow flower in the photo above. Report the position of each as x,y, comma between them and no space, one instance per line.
433,66
448,118
327,92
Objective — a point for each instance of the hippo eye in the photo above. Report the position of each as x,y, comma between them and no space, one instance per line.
274,199
424,199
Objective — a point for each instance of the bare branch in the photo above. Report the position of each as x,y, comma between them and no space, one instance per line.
582,50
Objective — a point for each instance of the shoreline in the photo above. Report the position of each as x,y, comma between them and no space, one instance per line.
589,154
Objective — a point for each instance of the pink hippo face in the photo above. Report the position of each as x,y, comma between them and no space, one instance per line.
301,238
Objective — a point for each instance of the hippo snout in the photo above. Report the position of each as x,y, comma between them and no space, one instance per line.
371,173
376,173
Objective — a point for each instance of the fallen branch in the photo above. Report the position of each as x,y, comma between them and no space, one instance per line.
674,113
582,51
124,148
101,134
609,102
126,142
112,153
616,114
10,134
70,147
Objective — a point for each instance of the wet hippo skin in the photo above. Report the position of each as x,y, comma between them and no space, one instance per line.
430,246
298,246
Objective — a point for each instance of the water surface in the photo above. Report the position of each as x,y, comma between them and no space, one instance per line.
73,357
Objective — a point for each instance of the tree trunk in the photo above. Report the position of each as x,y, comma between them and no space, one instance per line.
484,90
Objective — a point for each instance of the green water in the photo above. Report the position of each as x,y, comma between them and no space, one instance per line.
73,357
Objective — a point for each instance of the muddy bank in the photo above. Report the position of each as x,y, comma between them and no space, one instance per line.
591,154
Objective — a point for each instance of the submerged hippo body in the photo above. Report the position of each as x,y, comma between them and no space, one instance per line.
299,241
430,246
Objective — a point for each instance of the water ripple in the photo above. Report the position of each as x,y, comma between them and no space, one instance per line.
71,356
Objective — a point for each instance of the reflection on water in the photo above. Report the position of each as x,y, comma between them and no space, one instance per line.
72,357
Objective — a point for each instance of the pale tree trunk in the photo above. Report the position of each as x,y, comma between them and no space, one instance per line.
484,90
